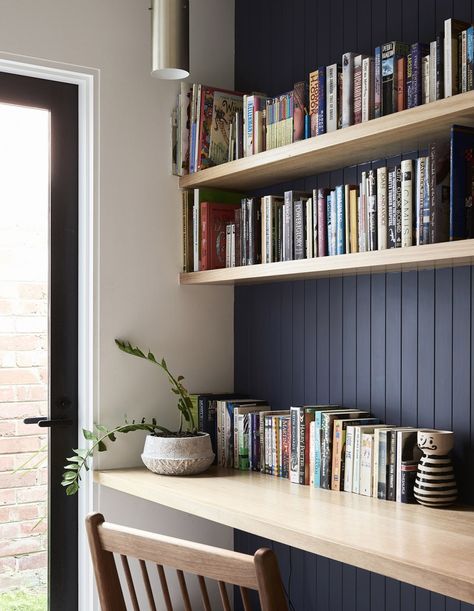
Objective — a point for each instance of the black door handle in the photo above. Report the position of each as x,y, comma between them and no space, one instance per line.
45,423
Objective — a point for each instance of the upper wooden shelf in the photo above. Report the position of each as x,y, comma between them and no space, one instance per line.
446,254
430,548
400,132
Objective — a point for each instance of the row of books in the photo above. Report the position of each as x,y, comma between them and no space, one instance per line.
212,126
325,446
419,201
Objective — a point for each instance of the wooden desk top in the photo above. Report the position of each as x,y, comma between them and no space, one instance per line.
430,548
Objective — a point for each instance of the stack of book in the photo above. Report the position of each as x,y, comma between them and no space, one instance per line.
212,126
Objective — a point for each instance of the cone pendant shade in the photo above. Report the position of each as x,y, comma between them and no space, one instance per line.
170,39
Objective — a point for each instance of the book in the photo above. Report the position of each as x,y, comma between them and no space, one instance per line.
270,204
340,221
461,181
215,218
314,101
469,58
425,79
439,66
427,203
378,82
380,474
439,163
327,430
432,92
366,464
215,121
419,198
391,201
354,231
317,439
401,83
382,208
406,171
407,450
391,51
371,211
299,105
408,471
348,89
290,197
333,101
418,50
187,207
452,28
299,222
368,89
297,445
398,205
358,59
319,196
285,446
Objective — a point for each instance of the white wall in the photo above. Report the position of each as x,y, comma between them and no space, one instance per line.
138,246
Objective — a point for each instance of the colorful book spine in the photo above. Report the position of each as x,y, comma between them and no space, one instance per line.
366,464
285,446
254,441
439,67
358,88
321,126
348,89
401,83
398,205
354,231
296,416
314,101
425,79
332,98
382,208
371,210
378,82
340,221
419,199
320,197
407,202
299,229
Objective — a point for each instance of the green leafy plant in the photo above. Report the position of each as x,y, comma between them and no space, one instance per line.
101,435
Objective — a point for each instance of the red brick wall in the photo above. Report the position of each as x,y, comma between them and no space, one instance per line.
23,393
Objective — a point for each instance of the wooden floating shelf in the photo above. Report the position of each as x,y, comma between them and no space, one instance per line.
430,548
446,254
402,131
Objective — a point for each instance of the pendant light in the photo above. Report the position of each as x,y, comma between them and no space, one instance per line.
170,39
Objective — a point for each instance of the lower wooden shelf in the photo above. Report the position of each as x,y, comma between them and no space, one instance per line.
446,254
430,548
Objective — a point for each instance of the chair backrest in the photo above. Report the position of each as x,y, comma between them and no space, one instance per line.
259,572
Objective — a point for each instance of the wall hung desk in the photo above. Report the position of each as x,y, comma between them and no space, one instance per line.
430,548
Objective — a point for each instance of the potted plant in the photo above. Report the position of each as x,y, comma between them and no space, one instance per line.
182,452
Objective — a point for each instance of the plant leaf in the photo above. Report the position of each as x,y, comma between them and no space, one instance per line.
102,447
88,435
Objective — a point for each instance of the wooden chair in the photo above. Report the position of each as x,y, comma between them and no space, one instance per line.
259,572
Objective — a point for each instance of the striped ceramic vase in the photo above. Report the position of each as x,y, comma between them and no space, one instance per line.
435,484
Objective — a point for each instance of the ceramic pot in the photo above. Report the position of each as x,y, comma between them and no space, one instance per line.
178,455
435,484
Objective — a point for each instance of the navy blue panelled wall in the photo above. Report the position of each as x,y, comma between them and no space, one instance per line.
399,343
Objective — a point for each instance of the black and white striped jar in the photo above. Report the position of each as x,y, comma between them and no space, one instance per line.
435,484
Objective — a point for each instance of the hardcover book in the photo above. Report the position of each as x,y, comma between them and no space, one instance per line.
214,219
348,89
391,52
225,105
439,192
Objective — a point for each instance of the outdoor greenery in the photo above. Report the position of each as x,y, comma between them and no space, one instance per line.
101,435
23,600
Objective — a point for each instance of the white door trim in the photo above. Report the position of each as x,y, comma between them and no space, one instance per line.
87,81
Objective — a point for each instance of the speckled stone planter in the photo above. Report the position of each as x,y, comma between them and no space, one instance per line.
178,455
435,484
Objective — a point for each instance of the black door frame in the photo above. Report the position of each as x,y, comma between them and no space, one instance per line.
61,99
